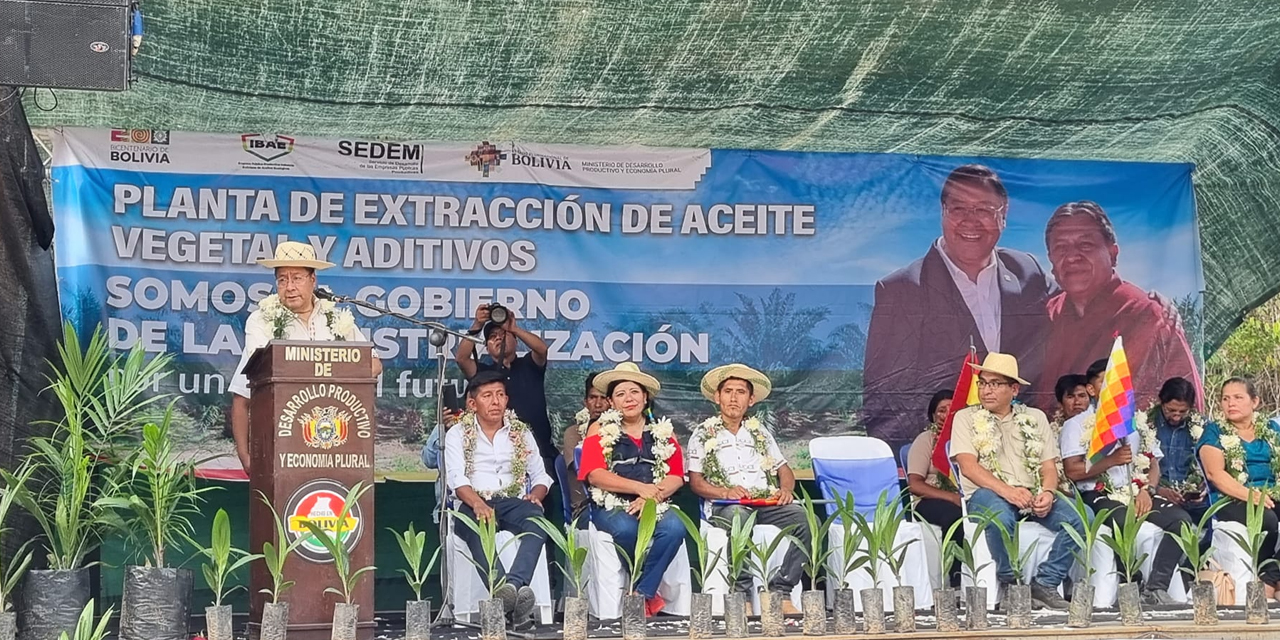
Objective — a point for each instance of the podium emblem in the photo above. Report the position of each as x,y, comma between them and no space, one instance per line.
320,502
325,428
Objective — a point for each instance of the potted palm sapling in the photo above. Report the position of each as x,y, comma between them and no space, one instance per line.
574,552
945,598
741,532
771,621
156,499
813,602
633,620
85,628
275,613
851,558
224,559
1255,600
872,598
975,595
102,399
1018,596
417,612
15,566
493,621
889,517
1204,601
1080,613
346,614
1123,540
702,605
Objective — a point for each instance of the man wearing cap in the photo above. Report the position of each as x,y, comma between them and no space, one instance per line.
733,458
526,374
594,403
1007,458
293,312
495,471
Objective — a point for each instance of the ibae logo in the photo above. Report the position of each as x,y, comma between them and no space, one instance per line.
325,427
139,146
386,157
485,158
321,502
267,147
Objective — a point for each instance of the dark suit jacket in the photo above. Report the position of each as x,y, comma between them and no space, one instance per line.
920,331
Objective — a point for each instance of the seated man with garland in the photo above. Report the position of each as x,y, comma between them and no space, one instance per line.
494,469
1126,478
1178,427
1006,455
736,465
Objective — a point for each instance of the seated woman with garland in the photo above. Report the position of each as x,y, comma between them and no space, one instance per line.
935,496
628,459
1241,458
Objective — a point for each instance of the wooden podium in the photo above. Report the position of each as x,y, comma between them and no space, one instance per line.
311,433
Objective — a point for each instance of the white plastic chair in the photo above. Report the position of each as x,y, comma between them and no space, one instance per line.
717,582
865,467
610,578
469,586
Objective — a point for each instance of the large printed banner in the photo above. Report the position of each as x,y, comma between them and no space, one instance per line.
857,281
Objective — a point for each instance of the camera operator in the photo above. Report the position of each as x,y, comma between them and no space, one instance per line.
525,374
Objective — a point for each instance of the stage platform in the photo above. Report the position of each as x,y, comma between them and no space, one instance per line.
1161,623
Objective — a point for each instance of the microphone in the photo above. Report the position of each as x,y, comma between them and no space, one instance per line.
325,293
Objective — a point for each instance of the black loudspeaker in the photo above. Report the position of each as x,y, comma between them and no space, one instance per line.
67,44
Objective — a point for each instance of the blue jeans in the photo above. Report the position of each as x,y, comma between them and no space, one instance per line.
668,535
1054,569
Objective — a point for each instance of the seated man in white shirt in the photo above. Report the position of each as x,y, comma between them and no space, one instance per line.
732,459
494,469
293,312
1127,477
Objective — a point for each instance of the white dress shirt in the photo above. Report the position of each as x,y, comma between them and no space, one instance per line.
491,461
742,464
1073,430
982,297
257,334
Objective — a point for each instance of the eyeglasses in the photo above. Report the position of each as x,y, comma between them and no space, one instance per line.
992,384
299,279
974,213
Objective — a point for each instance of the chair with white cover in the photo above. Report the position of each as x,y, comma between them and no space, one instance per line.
932,534
1106,587
865,467
716,581
609,579
1226,551
469,587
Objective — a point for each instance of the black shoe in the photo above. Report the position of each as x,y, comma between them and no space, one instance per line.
1047,598
525,603
507,594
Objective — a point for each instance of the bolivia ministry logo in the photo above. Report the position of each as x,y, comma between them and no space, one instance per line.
321,502
485,157
325,427
267,147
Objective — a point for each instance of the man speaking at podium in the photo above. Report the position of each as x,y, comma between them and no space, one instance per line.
293,312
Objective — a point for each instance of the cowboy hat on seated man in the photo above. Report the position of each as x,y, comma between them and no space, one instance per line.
732,458
1008,468
293,312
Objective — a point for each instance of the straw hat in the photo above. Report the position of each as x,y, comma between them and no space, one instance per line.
760,385
1003,364
627,371
295,254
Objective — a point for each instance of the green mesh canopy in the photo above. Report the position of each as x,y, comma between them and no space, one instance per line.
1163,81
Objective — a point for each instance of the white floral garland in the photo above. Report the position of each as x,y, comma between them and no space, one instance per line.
1138,467
1233,447
663,449
709,433
986,439
581,419
519,459
340,321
